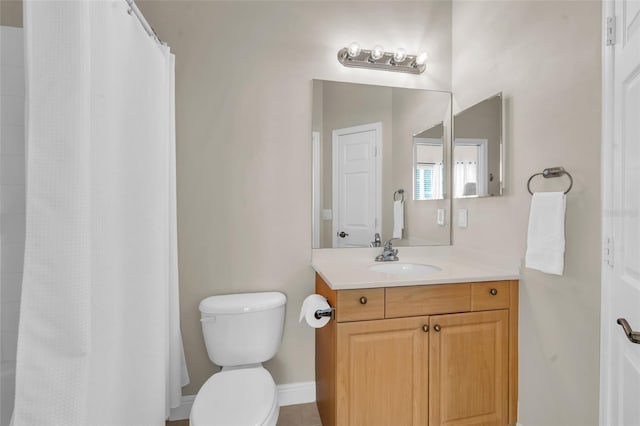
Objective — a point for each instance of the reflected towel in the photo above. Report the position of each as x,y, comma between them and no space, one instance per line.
545,239
398,218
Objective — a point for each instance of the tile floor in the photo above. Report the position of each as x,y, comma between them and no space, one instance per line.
299,415
292,415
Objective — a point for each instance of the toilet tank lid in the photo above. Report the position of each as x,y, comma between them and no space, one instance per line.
242,303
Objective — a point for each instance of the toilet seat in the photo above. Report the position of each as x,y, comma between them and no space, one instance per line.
240,397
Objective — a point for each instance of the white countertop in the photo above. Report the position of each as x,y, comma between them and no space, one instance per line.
344,269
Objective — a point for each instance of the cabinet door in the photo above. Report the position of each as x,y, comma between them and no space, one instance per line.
382,372
468,369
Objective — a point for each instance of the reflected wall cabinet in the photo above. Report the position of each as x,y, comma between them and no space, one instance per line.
419,355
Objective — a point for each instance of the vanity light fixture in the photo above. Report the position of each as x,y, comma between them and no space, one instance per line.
376,53
399,56
353,50
377,58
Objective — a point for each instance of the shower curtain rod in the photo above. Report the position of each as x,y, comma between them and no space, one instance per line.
133,8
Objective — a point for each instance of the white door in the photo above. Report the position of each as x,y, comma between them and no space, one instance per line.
356,184
620,386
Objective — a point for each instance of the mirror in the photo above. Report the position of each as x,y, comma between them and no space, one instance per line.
477,150
375,167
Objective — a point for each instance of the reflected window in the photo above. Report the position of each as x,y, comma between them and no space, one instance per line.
429,170
428,164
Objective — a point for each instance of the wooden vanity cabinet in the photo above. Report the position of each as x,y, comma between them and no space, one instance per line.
468,369
380,372
434,355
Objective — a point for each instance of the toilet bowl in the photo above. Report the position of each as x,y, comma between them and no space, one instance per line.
238,397
241,331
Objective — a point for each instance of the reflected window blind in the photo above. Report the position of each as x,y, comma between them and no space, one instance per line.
428,178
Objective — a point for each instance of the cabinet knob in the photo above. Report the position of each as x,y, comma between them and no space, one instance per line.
425,328
493,291
363,300
437,327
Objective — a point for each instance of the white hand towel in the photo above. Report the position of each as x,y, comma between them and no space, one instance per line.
545,240
398,218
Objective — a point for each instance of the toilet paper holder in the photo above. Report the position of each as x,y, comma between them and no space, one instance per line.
328,312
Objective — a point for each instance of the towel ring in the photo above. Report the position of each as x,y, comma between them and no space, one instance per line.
399,192
551,172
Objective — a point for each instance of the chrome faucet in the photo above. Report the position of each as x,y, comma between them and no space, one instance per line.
377,242
389,254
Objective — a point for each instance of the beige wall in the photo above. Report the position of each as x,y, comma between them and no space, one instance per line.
11,13
243,110
545,58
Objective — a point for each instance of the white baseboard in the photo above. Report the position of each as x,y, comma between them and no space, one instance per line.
184,409
296,393
288,394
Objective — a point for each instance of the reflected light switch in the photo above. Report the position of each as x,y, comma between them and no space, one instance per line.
462,218
441,217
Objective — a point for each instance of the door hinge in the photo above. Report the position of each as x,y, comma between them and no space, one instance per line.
607,253
611,30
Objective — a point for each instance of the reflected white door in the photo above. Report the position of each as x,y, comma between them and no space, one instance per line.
621,274
315,183
356,184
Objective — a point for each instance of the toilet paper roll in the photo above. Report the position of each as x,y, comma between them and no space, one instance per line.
310,305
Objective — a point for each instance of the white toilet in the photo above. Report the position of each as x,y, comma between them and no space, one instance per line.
241,331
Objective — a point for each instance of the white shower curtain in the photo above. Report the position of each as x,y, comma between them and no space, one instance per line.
99,339
464,172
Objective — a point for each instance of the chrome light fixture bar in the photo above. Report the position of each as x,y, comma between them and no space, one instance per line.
377,58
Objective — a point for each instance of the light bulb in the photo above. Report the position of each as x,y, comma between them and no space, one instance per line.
400,55
353,50
377,52
422,58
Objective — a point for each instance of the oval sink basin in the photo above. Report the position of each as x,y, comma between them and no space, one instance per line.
404,268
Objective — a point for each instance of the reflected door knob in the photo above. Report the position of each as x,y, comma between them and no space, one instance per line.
342,234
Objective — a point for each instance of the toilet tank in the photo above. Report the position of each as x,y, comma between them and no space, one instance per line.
241,329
